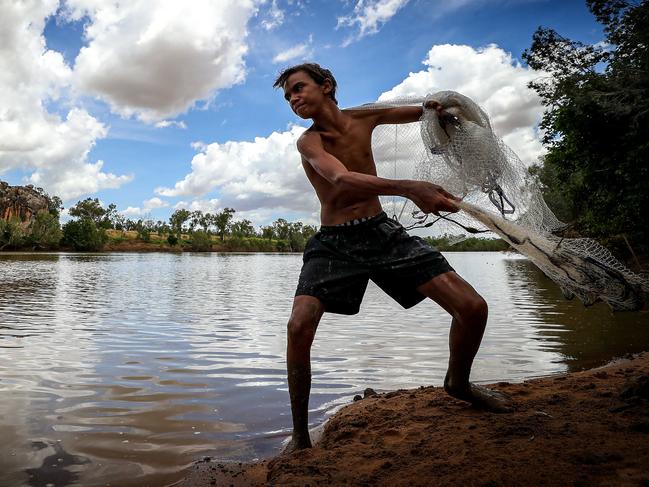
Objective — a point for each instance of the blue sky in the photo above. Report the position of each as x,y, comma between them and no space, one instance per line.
156,105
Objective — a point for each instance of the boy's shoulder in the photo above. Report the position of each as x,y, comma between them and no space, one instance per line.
360,112
308,137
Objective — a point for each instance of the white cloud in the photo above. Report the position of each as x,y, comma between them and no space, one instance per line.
170,123
264,173
31,137
132,211
206,206
155,58
301,51
491,78
148,205
274,17
369,16
156,202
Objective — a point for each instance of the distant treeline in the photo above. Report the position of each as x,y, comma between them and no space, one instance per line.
94,228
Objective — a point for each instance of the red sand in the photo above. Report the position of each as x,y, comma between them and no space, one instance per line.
580,429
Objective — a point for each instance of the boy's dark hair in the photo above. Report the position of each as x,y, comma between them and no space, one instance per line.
317,73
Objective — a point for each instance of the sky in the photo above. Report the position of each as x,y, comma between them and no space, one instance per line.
156,105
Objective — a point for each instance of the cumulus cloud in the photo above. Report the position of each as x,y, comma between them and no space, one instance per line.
369,16
301,51
148,205
264,173
155,58
132,211
206,206
155,202
32,138
494,80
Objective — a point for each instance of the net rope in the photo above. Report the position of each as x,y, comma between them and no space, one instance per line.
461,153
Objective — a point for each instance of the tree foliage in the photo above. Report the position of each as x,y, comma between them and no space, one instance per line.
83,234
177,220
222,221
596,171
12,234
201,241
44,231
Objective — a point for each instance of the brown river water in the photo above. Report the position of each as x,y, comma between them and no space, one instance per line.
122,369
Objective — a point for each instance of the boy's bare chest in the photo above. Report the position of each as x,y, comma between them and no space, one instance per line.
353,148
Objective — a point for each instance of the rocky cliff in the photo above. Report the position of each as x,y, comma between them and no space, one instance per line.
23,202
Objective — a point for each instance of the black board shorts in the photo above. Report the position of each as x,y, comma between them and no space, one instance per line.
340,260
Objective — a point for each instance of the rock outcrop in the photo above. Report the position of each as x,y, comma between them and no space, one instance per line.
22,202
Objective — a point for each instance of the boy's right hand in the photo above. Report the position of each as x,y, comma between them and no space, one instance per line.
432,198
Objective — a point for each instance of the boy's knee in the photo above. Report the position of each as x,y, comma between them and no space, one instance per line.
301,328
475,309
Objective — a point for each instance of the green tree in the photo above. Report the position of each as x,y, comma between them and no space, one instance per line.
83,234
201,241
596,170
90,209
144,229
309,231
177,220
44,231
222,222
268,232
242,228
119,222
12,233
195,219
281,228
111,218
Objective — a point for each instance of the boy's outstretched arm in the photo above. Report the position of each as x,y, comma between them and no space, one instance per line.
430,198
407,114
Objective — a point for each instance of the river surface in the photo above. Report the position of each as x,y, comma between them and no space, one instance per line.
121,369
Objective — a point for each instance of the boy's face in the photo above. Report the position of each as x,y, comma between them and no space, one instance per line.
304,94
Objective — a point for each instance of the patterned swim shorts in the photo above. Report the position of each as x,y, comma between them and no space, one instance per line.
340,260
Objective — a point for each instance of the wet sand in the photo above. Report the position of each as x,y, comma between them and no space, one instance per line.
584,428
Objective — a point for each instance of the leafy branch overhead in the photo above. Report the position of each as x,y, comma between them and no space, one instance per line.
596,171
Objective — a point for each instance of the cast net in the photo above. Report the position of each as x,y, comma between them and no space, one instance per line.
460,152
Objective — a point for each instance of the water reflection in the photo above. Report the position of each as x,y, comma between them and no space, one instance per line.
127,367
585,337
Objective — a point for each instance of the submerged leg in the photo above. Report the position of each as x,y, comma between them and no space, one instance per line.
302,325
469,311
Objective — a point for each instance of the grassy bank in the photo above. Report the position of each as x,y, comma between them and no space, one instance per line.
128,241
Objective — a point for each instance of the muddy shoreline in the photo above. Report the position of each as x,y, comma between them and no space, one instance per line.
582,428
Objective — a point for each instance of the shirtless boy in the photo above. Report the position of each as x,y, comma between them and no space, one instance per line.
357,241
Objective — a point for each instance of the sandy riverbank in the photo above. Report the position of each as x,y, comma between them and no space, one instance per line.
585,428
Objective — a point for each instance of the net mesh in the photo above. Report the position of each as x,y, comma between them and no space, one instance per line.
460,152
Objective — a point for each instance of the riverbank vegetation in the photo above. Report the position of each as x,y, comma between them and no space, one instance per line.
596,171
95,228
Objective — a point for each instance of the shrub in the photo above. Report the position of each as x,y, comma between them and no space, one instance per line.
45,231
144,234
83,234
12,234
201,241
172,240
